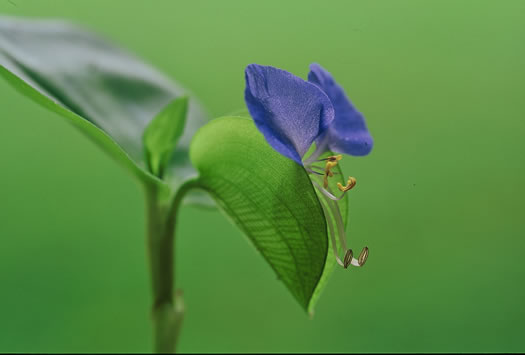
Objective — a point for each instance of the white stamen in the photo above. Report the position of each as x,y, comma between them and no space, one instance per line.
334,208
338,220
320,169
319,149
329,201
332,234
355,262
310,171
328,194
316,167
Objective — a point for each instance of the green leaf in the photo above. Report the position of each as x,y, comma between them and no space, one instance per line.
268,196
81,76
162,134
98,136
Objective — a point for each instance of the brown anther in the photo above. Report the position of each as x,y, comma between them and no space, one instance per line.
349,185
348,258
334,158
363,256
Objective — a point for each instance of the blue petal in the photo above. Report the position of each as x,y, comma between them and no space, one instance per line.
348,133
290,112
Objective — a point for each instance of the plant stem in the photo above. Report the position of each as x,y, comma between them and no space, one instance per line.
167,311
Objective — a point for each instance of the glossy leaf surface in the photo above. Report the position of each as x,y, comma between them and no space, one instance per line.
75,70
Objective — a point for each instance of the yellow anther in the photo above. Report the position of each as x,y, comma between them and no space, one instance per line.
349,185
331,162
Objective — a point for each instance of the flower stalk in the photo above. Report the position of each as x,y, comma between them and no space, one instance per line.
168,306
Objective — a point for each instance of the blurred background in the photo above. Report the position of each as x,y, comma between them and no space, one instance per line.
439,202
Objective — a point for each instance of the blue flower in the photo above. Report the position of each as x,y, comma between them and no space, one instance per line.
293,113
290,112
348,133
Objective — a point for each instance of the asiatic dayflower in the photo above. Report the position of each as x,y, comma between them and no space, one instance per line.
293,114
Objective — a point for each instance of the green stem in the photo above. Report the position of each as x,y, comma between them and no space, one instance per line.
167,310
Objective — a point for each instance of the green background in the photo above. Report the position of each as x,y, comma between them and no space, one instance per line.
439,201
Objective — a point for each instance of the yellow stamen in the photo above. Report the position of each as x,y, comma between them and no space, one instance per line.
349,185
331,162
